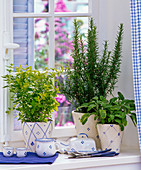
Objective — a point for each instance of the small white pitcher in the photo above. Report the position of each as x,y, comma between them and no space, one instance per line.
46,147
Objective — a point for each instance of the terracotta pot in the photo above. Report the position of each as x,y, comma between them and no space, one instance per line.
110,136
36,130
89,128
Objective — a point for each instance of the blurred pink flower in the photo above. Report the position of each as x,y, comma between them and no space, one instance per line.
57,20
60,98
61,7
56,113
38,19
71,59
69,123
46,59
36,35
59,124
67,102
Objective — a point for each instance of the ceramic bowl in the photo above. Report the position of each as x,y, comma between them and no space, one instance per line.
82,144
45,147
8,151
21,152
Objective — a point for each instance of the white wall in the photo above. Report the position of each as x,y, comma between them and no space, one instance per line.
110,14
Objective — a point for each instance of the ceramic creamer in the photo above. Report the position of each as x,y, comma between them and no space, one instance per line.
45,147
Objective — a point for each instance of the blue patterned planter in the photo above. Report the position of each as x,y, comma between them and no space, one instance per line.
36,130
110,136
89,128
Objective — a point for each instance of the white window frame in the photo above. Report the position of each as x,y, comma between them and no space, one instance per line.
6,26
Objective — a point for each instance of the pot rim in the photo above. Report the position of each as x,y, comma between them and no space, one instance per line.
74,111
21,149
45,140
39,122
8,148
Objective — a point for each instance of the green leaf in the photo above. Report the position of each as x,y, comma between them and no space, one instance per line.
112,100
84,118
124,122
121,97
121,127
120,116
118,121
91,107
133,118
102,121
102,98
95,98
109,120
115,107
102,114
112,117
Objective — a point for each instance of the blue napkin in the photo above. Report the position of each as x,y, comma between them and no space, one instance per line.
31,158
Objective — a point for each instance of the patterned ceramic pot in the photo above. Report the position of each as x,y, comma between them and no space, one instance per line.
89,128
36,130
110,136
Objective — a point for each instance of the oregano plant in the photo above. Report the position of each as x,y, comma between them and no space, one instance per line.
32,93
91,74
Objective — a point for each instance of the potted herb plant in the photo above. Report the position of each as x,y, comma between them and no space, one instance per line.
33,95
112,118
91,74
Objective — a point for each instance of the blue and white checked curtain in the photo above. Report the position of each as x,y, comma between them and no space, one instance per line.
136,57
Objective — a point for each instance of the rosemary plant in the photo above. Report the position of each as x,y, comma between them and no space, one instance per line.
92,74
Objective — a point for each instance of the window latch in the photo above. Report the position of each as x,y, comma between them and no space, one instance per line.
11,46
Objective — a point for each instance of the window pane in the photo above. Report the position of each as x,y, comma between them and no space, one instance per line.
71,5
63,49
64,38
25,6
38,6
41,43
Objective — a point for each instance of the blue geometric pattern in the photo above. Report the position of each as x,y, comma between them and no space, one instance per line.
32,131
110,136
82,142
44,154
136,57
8,152
50,146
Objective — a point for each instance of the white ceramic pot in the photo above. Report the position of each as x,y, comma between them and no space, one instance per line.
36,130
110,136
89,128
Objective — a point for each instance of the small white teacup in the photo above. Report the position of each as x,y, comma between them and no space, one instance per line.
8,151
21,152
45,147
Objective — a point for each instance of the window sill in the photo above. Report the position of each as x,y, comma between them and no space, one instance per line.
128,159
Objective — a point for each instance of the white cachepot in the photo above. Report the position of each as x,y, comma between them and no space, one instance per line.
88,128
36,130
110,136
